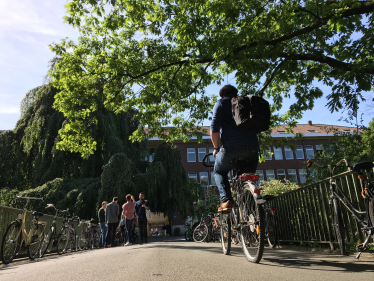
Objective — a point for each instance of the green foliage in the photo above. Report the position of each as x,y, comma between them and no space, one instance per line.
277,187
356,147
159,56
209,205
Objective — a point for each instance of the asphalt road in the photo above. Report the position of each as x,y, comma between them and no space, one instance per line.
176,259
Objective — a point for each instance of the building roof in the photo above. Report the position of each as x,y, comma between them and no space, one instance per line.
308,130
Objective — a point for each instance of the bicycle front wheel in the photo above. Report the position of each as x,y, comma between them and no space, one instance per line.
36,240
252,230
337,223
200,233
63,240
271,230
225,222
12,241
46,242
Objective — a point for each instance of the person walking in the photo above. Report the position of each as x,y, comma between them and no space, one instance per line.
111,217
140,213
102,224
235,142
128,212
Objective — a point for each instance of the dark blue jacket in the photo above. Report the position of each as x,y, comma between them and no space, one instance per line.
139,211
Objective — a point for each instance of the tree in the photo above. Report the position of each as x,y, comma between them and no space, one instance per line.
354,146
159,57
277,187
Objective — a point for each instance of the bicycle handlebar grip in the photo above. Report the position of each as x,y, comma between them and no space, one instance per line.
204,161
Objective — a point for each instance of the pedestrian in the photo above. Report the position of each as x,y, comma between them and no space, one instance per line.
102,224
140,213
235,142
128,212
111,217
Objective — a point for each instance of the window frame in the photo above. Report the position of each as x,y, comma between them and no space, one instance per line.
198,153
268,176
276,151
281,174
288,149
205,174
194,153
298,150
261,174
306,151
292,174
304,173
193,177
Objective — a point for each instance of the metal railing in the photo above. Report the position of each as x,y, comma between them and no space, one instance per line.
304,214
7,215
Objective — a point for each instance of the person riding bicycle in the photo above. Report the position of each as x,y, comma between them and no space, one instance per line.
236,143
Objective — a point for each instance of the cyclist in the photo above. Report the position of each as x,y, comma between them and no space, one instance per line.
236,142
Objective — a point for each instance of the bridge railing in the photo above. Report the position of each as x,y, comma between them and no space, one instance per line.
304,214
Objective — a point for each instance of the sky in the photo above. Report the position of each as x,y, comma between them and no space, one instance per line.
27,27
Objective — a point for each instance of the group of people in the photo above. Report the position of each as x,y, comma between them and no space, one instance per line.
131,211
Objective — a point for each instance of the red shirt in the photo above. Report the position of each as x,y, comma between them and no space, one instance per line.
128,210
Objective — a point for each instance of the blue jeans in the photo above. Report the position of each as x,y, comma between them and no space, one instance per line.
223,166
102,234
129,229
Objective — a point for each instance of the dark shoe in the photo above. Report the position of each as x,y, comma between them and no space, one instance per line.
225,207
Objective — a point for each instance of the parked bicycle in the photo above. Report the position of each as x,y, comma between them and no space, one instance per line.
201,231
249,219
85,238
66,238
367,224
120,237
270,222
17,237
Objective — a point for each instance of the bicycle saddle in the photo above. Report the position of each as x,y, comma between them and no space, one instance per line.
268,197
37,214
362,166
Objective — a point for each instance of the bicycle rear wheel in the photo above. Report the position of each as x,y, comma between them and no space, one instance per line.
62,240
34,247
271,230
12,241
252,230
200,233
225,222
338,225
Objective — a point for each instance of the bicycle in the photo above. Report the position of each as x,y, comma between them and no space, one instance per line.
337,195
249,219
95,230
16,237
85,239
119,236
201,231
270,222
66,238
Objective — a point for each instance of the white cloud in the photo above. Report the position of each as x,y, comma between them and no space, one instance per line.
5,108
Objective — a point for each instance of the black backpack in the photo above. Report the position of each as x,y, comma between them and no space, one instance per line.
252,113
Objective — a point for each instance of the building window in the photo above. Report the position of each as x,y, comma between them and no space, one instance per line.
212,179
191,155
261,174
346,131
202,152
312,131
270,175
204,180
309,151
288,152
319,150
281,175
211,158
281,132
292,175
267,155
299,152
278,153
302,175
193,176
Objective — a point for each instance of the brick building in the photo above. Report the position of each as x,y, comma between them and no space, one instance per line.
281,163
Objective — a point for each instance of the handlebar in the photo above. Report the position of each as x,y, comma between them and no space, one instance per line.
29,198
204,161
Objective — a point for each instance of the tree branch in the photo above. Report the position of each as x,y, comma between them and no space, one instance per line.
261,92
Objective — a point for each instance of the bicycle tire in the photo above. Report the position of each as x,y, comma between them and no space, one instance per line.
271,230
96,239
338,226
34,247
46,242
225,231
11,243
200,233
72,244
62,240
252,232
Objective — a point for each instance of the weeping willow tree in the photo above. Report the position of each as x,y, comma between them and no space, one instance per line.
31,163
166,184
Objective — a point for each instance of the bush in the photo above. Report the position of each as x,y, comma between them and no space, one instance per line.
177,231
277,187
